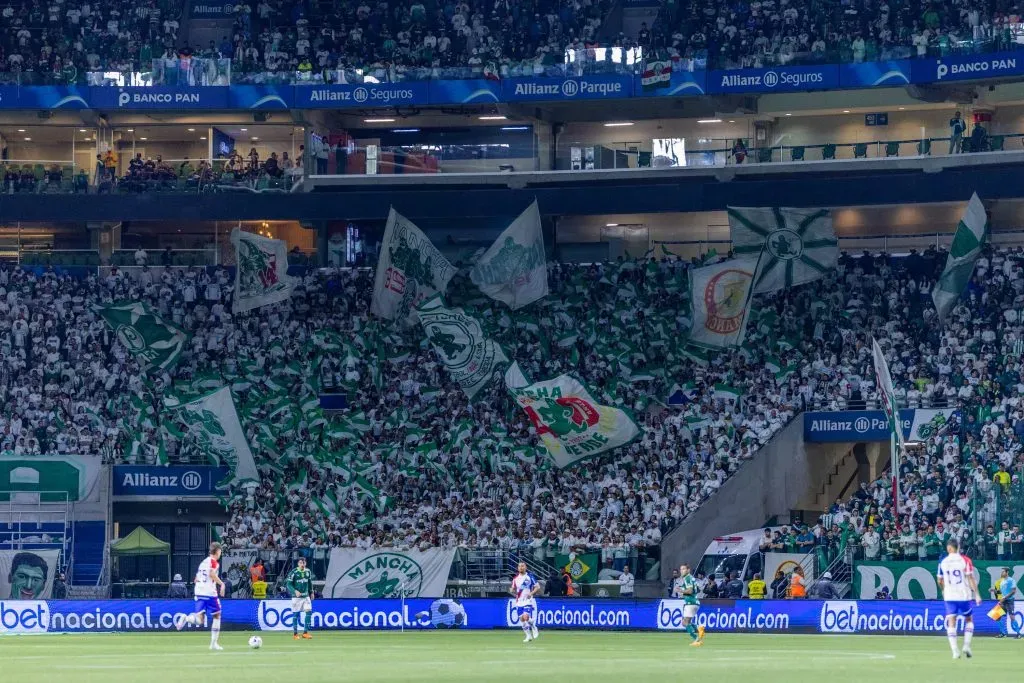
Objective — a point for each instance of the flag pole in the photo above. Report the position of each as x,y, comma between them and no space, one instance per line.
894,458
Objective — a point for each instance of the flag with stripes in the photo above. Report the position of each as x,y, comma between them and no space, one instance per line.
795,246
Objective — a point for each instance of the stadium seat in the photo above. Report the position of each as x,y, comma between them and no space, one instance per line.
924,147
796,153
860,150
764,155
828,151
892,149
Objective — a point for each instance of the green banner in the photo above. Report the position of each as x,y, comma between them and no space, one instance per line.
581,567
916,580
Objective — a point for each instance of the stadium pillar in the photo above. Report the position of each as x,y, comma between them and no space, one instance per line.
321,243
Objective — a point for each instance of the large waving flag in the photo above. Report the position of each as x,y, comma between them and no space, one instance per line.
410,270
963,254
461,345
153,341
721,295
570,423
885,391
261,271
213,422
514,269
798,245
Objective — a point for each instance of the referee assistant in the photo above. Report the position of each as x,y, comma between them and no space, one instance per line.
1005,590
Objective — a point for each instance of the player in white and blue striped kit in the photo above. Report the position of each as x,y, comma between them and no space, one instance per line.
525,588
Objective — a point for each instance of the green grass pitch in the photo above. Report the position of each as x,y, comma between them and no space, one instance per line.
499,656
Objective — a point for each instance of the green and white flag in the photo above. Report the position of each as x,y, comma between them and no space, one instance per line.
721,295
468,355
213,422
795,245
410,270
514,269
656,75
963,254
724,392
261,271
570,423
153,341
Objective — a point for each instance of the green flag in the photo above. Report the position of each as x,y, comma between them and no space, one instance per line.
795,245
154,342
963,254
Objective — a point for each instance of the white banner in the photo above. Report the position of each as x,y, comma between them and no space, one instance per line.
572,425
514,269
461,345
795,245
787,562
721,296
388,573
261,271
235,564
50,478
27,574
410,270
213,421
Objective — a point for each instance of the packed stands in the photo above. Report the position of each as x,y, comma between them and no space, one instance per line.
434,468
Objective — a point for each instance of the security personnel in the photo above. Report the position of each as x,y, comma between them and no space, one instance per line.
756,588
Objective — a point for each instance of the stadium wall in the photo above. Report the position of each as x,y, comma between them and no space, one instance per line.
782,472
924,617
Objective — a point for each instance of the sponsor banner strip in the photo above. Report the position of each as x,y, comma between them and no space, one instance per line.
872,425
885,74
740,616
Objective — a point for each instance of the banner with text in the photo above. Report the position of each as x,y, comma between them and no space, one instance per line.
178,481
916,580
388,573
893,617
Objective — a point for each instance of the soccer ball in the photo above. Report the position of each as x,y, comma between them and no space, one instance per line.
255,642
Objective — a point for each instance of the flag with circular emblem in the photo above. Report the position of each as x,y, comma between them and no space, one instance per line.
795,246
720,295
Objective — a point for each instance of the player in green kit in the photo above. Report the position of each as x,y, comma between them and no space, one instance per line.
300,585
686,588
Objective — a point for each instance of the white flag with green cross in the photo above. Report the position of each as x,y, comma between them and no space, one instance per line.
153,341
795,246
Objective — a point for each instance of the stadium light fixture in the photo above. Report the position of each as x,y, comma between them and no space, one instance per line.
709,120
191,130
496,117
82,130
244,130
131,130
21,130
405,130
379,120
846,111
902,108
788,114
28,139
611,225
255,139
731,121
616,124
203,137
515,128
143,138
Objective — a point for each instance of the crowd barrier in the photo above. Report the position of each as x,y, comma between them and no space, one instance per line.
718,616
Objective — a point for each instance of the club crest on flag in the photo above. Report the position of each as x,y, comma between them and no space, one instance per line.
795,246
725,297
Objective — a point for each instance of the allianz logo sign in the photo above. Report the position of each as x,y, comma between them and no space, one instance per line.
190,481
861,425
572,87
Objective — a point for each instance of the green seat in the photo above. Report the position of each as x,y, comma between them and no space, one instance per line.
924,147
996,143
892,149
860,150
39,171
764,155
828,152
796,153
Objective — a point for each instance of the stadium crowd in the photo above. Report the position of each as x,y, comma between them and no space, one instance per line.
406,39
413,463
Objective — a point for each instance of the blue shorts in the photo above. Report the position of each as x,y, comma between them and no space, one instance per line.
958,608
525,609
210,605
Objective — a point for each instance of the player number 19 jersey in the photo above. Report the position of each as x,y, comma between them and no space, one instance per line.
954,570
205,586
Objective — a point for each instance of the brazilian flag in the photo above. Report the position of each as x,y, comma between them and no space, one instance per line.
581,567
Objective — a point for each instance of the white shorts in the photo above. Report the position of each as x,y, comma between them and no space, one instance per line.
690,611
528,607
302,605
